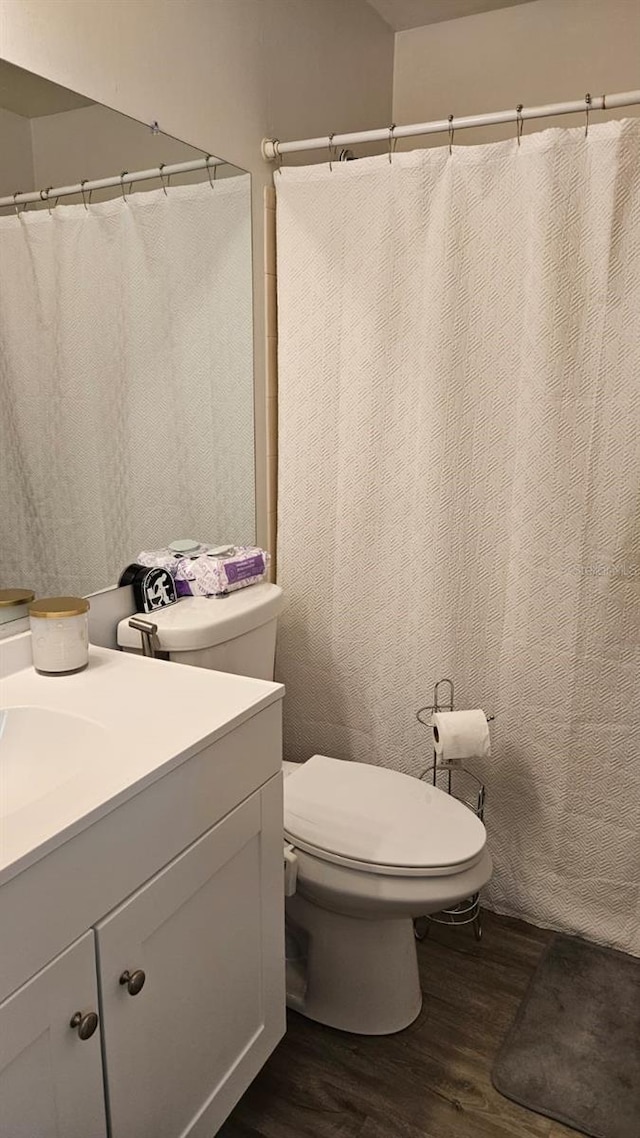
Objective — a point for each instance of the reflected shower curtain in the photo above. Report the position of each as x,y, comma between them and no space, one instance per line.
459,496
126,373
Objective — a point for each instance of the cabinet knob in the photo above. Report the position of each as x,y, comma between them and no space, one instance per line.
85,1023
134,981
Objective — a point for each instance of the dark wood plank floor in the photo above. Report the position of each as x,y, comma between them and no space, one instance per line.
431,1080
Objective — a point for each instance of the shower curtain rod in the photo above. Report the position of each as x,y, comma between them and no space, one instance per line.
122,180
272,148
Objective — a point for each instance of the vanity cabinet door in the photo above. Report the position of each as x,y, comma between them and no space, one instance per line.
191,976
50,1078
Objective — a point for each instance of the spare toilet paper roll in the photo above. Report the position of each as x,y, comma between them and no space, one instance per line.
460,735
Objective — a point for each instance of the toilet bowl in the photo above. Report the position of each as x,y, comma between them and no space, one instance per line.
372,848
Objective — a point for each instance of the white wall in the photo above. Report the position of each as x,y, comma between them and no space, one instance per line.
93,142
544,52
16,167
219,74
215,73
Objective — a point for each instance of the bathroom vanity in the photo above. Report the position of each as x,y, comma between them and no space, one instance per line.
141,896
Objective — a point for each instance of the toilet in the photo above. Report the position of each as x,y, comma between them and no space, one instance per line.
367,848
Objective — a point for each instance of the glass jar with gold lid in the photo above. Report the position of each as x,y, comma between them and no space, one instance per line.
14,604
59,635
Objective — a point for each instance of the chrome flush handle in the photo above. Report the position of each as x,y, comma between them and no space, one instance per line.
148,633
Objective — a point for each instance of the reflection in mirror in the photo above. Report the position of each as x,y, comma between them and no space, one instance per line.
14,605
126,375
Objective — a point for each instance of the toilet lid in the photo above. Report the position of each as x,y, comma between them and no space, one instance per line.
379,819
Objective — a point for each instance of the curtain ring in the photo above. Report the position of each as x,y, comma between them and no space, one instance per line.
211,180
332,151
393,142
82,191
15,204
587,108
122,178
451,134
44,194
519,122
160,169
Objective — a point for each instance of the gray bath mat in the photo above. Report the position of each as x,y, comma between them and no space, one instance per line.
573,1052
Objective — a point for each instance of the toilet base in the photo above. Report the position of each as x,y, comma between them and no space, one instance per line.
352,973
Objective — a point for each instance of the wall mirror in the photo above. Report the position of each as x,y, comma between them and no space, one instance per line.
126,354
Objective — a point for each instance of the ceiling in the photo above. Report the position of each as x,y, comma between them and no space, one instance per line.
30,95
403,14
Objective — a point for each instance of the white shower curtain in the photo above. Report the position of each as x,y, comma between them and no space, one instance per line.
126,381
459,380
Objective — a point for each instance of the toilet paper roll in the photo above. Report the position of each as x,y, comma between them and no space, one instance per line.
459,735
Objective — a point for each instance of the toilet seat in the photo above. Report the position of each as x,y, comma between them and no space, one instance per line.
378,820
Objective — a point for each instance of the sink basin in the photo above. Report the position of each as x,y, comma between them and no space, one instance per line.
41,751
74,749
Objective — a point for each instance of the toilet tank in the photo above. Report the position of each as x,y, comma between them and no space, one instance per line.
234,633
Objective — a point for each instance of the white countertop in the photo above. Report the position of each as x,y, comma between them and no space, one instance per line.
151,715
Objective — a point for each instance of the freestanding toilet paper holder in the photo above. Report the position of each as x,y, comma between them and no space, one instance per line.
468,789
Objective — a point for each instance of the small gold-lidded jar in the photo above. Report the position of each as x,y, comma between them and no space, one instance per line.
14,604
59,635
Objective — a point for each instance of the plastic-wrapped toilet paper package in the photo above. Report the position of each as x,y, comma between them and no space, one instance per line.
209,571
170,557
158,559
209,575
459,735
